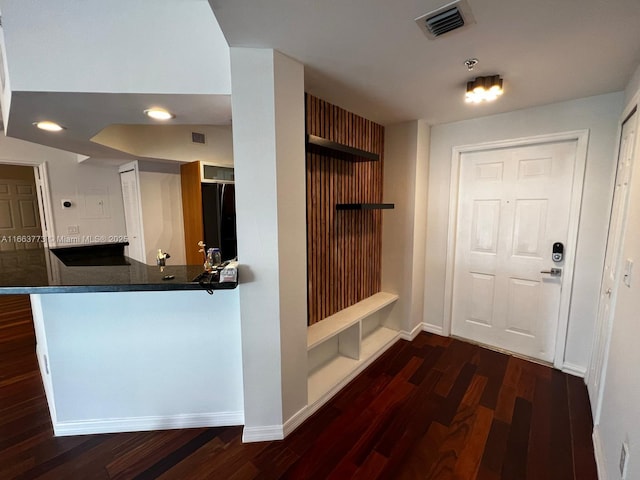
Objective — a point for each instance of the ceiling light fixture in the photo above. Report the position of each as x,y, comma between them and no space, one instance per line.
49,126
484,89
159,114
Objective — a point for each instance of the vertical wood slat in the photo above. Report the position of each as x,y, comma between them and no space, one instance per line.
343,248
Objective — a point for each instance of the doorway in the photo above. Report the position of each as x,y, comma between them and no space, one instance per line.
130,182
24,207
19,212
513,205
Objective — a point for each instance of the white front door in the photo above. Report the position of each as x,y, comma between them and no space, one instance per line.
612,262
514,204
19,214
132,212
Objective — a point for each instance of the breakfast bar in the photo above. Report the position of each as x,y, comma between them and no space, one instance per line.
124,346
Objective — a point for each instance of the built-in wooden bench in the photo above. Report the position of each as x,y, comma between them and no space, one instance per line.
342,345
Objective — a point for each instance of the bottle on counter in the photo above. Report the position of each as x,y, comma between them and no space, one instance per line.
213,259
217,257
208,261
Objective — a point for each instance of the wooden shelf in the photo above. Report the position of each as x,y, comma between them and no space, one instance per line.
331,373
353,154
364,206
336,323
377,340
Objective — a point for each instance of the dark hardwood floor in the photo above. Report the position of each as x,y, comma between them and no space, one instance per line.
434,408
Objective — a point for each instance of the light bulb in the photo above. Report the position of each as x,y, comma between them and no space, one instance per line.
159,114
48,126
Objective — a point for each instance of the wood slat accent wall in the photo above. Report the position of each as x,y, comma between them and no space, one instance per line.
343,248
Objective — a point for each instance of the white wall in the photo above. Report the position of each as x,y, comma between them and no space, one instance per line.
84,184
162,219
633,87
269,157
406,163
142,360
150,46
600,115
619,419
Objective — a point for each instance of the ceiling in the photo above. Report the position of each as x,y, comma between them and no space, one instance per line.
370,57
84,115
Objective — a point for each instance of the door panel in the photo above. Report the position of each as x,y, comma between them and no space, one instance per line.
481,304
523,301
19,215
529,229
486,220
6,219
513,205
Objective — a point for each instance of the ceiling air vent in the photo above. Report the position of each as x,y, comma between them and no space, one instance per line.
198,138
452,16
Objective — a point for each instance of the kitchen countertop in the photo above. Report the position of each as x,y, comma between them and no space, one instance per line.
41,271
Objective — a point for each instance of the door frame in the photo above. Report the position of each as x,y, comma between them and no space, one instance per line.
127,167
581,137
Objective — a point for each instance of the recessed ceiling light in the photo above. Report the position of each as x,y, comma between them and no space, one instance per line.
48,126
159,114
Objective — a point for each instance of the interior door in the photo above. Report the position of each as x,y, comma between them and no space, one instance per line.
612,261
132,214
513,205
19,214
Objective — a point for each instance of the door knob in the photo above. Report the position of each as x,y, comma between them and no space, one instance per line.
608,292
554,272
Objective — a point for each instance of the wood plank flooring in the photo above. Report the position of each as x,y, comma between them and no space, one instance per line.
434,408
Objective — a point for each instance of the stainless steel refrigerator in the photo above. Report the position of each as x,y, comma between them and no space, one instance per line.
219,216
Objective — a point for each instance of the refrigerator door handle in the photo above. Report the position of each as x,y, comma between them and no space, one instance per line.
222,199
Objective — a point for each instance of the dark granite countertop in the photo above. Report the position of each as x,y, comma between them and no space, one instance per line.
41,271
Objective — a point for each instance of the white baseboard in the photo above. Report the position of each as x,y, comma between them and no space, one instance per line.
278,432
405,335
46,381
436,329
599,454
262,434
575,370
295,421
139,424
